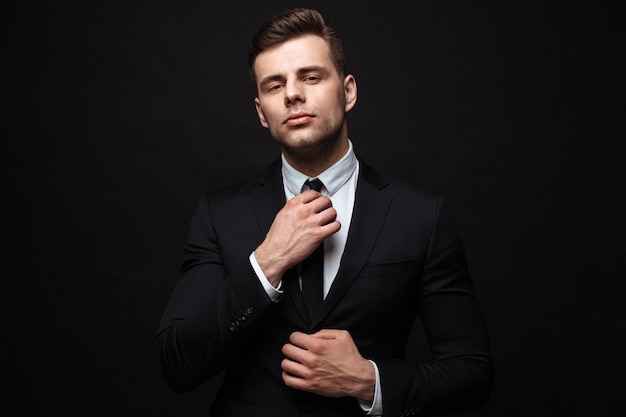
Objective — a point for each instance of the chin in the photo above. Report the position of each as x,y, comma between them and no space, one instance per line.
302,142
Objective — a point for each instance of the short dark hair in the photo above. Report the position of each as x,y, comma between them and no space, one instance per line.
291,24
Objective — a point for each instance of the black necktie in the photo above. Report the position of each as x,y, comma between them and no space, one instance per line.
313,270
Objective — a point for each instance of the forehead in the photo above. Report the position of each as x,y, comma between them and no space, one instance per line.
292,55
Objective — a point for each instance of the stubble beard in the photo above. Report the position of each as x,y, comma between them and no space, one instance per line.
310,145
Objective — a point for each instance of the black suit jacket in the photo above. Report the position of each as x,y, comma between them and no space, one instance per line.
403,258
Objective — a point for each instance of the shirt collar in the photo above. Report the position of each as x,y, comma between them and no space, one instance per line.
333,178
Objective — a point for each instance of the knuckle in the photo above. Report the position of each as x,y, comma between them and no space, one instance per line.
294,202
317,346
317,234
312,364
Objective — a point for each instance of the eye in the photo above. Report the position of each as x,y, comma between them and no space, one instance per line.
273,87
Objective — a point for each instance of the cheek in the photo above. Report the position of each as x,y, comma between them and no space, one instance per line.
336,107
335,113
270,113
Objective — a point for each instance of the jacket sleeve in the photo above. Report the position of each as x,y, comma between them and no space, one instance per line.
460,376
210,311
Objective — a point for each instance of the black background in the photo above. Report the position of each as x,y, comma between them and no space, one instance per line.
119,114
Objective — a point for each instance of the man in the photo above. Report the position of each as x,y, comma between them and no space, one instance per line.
389,252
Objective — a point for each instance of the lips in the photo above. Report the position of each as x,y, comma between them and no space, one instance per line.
298,119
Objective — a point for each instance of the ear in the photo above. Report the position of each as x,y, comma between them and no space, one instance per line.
349,87
259,112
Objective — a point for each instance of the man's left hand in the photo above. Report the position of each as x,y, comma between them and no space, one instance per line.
328,363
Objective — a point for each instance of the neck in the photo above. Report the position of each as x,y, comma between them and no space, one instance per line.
316,161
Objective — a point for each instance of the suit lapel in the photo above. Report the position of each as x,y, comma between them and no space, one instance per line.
268,197
371,206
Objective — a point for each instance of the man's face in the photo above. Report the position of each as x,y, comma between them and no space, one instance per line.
302,99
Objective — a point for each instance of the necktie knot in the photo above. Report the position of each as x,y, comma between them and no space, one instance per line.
315,184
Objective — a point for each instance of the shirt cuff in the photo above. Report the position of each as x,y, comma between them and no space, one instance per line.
273,293
376,407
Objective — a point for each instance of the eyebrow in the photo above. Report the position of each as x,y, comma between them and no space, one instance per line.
313,68
301,71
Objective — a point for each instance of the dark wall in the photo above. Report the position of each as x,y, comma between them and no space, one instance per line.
119,114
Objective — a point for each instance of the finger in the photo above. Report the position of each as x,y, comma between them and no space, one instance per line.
328,333
330,228
295,382
298,339
326,216
307,196
320,203
309,346
293,352
293,368
297,360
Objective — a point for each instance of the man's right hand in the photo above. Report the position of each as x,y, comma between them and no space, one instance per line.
299,227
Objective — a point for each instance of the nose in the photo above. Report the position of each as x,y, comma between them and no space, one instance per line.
293,93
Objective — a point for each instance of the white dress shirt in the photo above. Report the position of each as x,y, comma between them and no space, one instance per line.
340,182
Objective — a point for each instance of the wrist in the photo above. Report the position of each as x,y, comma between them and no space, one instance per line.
367,385
272,267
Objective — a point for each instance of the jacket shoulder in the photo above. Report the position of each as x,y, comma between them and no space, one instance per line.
395,187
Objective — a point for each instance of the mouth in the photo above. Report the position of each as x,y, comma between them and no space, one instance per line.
298,119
